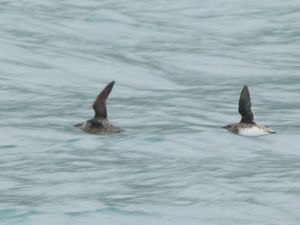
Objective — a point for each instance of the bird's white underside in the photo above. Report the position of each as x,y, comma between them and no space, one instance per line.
254,131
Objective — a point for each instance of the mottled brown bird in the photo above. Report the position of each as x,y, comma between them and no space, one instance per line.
100,123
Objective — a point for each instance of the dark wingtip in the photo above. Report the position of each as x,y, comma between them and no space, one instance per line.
108,88
245,89
245,94
105,92
112,83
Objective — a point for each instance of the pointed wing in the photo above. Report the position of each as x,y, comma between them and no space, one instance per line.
245,106
99,105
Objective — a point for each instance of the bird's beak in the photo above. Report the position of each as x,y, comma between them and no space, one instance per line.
78,125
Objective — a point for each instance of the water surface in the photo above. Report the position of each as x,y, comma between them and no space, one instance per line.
179,69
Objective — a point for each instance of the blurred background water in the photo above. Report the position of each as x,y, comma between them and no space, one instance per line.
179,68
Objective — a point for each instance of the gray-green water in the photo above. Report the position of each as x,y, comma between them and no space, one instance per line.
179,68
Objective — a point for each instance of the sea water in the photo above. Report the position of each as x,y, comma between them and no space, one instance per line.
179,67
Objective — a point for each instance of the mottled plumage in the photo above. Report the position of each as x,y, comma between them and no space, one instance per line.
100,123
247,126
